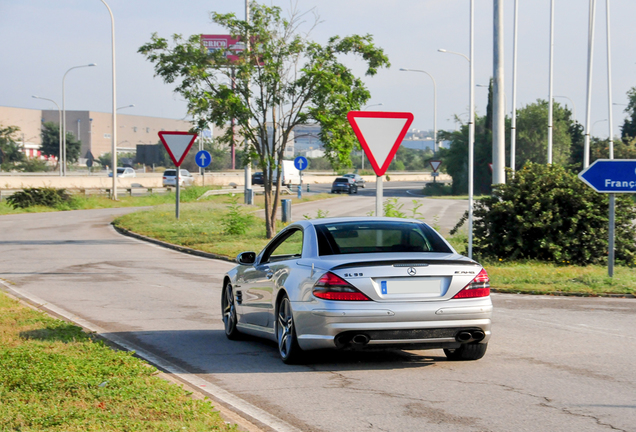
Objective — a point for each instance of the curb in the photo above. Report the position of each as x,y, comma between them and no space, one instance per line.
167,245
565,294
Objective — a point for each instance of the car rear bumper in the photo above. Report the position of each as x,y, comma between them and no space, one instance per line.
325,324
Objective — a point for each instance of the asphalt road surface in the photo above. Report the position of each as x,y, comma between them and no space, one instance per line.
553,364
439,212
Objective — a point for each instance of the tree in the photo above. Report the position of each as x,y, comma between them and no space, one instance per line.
628,130
532,134
51,142
281,79
9,149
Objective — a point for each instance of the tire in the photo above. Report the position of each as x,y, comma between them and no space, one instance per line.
288,348
473,351
228,311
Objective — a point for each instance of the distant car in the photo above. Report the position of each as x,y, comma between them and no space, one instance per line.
344,184
124,172
257,178
170,178
358,283
359,180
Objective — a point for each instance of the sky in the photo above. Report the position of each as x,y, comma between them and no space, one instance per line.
42,39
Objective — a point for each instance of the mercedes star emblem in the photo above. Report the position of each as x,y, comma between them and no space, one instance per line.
411,271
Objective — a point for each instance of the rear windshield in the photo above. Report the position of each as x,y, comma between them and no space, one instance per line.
378,236
342,180
170,173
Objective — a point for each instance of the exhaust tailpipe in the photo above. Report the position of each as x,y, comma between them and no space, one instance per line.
478,335
360,339
464,337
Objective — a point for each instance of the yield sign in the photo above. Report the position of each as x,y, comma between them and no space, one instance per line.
435,165
177,144
380,134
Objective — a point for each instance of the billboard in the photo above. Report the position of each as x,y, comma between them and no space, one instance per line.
226,43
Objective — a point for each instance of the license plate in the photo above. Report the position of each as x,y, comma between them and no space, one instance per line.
425,285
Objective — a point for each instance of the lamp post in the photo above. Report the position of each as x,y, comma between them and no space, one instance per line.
127,106
513,117
592,129
590,63
551,84
471,124
63,155
434,103
114,135
573,106
59,111
369,106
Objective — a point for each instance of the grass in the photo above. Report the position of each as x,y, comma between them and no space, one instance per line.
545,278
201,225
55,377
190,194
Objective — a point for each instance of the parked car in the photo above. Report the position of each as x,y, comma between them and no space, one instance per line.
357,283
124,172
344,184
170,178
358,179
257,178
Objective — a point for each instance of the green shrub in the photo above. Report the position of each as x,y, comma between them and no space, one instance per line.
546,213
49,197
437,189
235,221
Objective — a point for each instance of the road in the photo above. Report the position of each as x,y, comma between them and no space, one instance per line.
554,363
439,212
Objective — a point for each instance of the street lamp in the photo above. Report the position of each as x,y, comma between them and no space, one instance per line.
592,128
471,124
573,106
434,103
127,106
63,155
59,111
369,106
114,136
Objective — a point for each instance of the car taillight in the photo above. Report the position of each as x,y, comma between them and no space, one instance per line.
478,287
332,287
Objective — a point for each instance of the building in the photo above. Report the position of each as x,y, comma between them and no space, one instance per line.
94,129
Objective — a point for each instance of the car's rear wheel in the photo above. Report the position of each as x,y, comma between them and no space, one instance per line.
473,351
288,348
228,308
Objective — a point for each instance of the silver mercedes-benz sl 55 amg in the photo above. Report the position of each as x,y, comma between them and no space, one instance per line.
359,283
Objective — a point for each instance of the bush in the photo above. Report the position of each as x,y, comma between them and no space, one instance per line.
235,222
546,213
437,189
49,197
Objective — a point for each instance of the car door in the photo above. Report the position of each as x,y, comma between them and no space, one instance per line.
261,283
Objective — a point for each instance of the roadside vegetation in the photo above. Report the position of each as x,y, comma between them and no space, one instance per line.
56,377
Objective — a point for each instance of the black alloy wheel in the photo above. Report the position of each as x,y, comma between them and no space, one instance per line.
228,308
288,348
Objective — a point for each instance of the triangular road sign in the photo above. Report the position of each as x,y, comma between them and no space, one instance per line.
177,144
435,164
380,134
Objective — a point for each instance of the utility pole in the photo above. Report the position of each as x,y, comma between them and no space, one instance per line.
499,110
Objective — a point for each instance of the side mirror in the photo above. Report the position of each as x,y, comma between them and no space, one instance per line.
246,258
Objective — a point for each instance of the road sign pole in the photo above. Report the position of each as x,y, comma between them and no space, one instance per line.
178,181
612,221
378,196
300,186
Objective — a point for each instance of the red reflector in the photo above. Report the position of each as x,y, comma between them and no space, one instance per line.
347,296
472,292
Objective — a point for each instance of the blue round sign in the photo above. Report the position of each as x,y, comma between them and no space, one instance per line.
203,158
301,163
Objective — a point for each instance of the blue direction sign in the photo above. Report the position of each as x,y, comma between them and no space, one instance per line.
203,158
611,175
301,163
